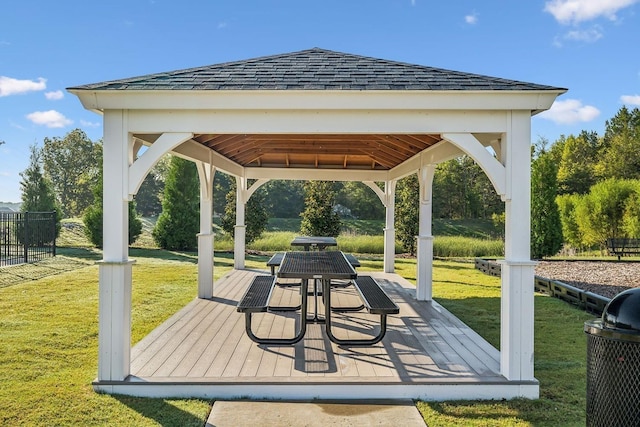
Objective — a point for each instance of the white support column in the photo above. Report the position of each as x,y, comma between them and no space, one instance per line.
114,320
424,277
240,230
389,227
517,314
205,237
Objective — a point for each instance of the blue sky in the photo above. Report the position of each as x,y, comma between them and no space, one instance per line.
587,46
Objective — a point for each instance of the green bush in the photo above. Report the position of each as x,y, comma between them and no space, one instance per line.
179,223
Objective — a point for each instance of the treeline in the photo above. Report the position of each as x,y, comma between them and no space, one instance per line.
597,183
584,190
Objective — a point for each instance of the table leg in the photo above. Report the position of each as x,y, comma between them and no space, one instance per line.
315,318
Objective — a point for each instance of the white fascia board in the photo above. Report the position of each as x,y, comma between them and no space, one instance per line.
304,174
316,121
320,99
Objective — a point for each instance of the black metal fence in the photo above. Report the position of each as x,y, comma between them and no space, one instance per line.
26,237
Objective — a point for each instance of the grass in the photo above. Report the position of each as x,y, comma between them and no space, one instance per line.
560,355
48,328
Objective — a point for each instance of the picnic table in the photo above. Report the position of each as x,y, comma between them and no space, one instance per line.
316,242
318,267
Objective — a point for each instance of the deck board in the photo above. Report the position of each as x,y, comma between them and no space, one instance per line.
206,341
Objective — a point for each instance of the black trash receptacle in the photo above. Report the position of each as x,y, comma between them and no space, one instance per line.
613,363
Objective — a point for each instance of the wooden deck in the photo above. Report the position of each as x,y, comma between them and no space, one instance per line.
427,353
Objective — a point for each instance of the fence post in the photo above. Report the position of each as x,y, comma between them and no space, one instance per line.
25,237
54,230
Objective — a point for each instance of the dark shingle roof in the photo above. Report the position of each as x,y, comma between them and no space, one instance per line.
315,69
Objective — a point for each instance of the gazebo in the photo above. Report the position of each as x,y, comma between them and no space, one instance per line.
318,115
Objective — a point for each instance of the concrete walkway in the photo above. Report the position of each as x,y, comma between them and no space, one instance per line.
311,414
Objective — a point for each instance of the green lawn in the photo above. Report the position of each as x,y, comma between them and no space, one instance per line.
48,357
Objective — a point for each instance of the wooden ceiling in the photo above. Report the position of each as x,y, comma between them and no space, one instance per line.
325,151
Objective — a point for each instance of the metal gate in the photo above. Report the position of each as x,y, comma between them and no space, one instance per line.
26,237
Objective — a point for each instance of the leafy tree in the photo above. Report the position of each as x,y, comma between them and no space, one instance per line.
94,214
37,191
72,164
631,216
620,154
149,197
256,216
407,212
571,232
576,172
361,201
179,223
600,216
546,227
285,198
318,217
461,189
221,187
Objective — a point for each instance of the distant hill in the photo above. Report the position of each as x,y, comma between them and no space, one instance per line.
10,206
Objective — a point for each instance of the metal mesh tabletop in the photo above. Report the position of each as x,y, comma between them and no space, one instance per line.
316,265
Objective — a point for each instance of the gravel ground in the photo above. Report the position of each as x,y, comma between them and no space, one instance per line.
602,278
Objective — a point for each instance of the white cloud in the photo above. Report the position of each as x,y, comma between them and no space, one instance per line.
54,95
575,11
9,86
591,35
471,19
222,25
50,119
570,111
630,99
88,124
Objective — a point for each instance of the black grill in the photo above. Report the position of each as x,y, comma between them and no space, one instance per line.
613,382
613,363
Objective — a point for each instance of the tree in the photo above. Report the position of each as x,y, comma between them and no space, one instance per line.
631,216
407,212
179,223
221,187
149,196
577,168
361,200
318,217
620,154
94,214
571,232
546,227
461,189
256,216
600,215
72,164
285,198
37,191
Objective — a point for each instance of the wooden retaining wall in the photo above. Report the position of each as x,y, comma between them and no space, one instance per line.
588,301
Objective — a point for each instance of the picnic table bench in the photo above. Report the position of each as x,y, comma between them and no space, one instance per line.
375,301
256,300
623,247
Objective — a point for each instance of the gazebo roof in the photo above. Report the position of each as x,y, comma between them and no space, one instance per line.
310,82
317,69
